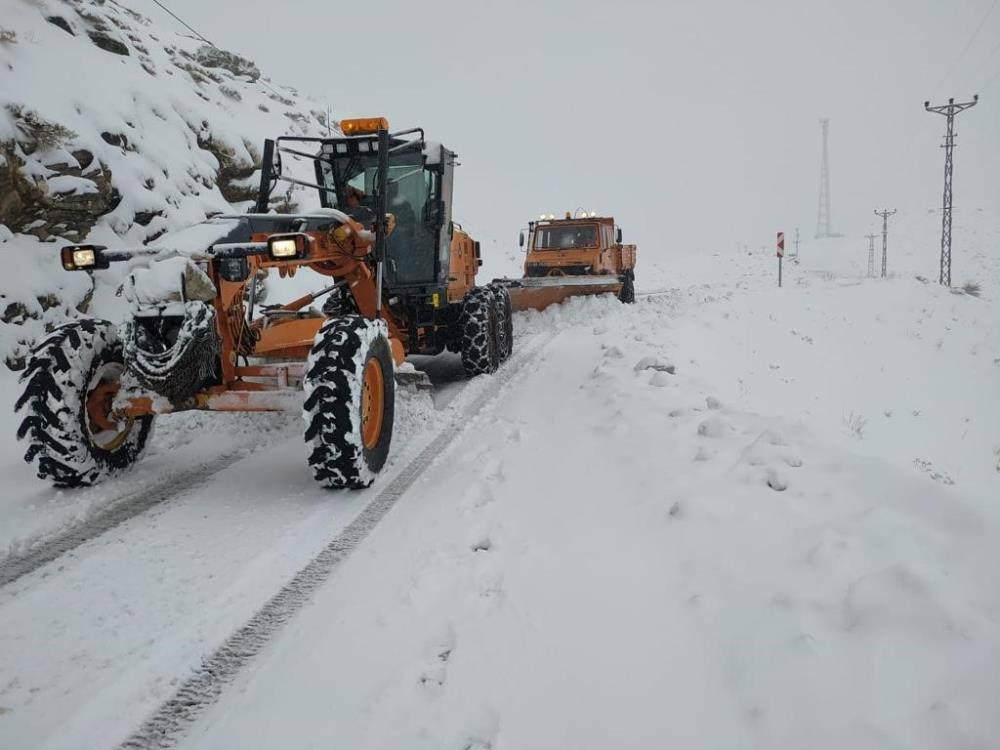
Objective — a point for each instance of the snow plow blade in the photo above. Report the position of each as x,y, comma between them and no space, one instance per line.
539,293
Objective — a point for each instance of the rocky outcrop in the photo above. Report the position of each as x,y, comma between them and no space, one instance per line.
34,206
233,175
212,57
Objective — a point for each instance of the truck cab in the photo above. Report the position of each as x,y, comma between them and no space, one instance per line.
582,246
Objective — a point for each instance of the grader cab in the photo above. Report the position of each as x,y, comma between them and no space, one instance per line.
395,275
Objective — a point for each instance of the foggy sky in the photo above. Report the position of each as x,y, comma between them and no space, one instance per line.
694,123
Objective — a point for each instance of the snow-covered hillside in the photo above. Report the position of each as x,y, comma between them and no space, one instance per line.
115,130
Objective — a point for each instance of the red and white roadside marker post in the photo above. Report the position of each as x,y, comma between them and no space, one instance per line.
781,253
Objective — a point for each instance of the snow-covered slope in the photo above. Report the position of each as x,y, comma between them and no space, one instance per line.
115,130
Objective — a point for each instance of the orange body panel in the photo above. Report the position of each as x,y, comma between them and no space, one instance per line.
463,266
288,339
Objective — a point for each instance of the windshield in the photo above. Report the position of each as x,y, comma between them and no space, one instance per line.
565,237
411,249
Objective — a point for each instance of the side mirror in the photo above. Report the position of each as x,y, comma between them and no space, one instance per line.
618,235
520,241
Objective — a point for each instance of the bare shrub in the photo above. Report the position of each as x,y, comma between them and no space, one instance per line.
854,425
36,131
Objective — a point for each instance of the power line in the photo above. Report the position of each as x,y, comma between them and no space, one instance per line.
968,45
183,22
190,28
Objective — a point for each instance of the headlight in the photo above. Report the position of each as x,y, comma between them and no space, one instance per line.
288,246
82,257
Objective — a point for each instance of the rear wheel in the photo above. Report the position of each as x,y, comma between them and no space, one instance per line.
505,321
477,328
69,387
627,293
350,400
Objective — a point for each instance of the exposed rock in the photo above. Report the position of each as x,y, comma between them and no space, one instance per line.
212,57
84,157
144,218
62,23
232,171
27,206
109,43
115,139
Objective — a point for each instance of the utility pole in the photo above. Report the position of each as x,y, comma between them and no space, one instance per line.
871,255
796,244
949,110
885,214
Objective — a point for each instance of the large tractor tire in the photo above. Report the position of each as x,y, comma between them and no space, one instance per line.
477,324
505,321
627,293
350,401
69,385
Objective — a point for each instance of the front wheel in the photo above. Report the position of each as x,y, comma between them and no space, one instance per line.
70,383
350,401
627,293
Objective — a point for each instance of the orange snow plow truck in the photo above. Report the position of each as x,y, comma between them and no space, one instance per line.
573,256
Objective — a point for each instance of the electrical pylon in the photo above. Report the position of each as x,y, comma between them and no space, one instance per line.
949,110
871,255
885,214
823,212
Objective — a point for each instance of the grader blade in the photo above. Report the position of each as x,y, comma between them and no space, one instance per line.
539,293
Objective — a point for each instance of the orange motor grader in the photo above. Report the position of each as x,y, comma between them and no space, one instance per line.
573,256
397,277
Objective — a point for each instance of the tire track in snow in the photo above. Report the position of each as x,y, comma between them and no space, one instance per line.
655,293
166,726
117,512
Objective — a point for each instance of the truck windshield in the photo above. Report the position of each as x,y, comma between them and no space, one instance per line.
566,237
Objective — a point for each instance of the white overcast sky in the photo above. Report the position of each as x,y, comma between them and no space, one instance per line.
695,123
